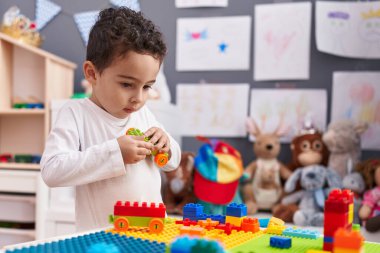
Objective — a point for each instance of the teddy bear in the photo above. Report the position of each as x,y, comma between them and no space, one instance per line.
262,189
312,196
178,188
342,138
370,209
307,149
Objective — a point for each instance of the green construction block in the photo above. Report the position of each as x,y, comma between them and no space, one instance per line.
23,158
135,221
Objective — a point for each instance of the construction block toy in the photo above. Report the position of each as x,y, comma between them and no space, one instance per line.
280,242
128,214
208,223
192,231
236,221
103,248
84,243
161,159
264,222
250,225
301,233
236,210
348,241
23,158
338,214
5,158
275,221
317,251
275,229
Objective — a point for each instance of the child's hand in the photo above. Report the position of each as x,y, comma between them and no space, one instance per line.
134,148
159,139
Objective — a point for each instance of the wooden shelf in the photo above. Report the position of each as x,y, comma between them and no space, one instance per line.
23,112
20,166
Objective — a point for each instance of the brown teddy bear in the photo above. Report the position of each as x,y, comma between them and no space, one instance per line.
178,189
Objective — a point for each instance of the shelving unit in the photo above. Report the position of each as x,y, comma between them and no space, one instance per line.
27,71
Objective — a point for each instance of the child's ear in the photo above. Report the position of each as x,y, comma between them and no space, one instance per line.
89,71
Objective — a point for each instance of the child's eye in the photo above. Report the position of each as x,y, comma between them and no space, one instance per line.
126,85
146,87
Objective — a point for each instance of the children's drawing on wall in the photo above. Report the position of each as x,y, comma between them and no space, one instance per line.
350,29
218,43
290,108
356,96
213,109
282,41
200,3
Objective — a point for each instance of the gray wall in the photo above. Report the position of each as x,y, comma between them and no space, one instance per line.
63,39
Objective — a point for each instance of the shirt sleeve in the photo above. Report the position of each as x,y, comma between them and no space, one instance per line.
175,158
64,164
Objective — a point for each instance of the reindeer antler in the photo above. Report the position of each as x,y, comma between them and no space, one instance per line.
252,127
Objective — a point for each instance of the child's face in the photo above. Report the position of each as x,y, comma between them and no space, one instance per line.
122,88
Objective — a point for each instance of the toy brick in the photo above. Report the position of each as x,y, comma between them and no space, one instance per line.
348,239
208,224
192,231
275,229
343,250
275,221
186,222
280,242
333,221
236,221
192,208
328,239
317,251
338,201
302,233
250,225
328,246
236,210
264,222
144,210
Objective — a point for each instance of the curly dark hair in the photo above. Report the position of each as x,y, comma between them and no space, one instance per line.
120,30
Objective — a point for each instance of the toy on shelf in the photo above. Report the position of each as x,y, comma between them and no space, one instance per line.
343,141
312,196
144,215
339,212
263,188
6,158
370,209
217,174
178,189
307,149
20,27
30,103
161,159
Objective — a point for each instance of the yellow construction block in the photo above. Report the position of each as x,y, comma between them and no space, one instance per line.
275,229
275,221
350,213
236,221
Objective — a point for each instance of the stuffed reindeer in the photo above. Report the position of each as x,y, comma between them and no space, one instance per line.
263,189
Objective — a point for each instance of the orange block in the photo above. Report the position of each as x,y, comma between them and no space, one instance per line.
345,239
192,231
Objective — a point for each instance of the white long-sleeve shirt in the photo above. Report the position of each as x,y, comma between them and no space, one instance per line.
82,151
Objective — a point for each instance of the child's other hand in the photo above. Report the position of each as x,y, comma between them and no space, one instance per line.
159,139
134,148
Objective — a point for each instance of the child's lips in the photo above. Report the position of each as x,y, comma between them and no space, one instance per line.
129,110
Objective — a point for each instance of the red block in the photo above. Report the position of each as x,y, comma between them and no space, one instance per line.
250,225
144,210
333,221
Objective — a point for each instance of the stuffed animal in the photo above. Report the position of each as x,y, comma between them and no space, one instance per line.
178,189
343,141
312,196
370,209
263,188
354,181
307,149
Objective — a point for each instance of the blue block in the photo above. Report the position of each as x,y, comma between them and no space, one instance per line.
192,208
236,210
302,233
328,239
280,242
95,241
264,222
